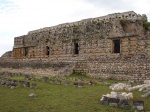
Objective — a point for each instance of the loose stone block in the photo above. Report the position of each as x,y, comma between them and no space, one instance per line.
138,105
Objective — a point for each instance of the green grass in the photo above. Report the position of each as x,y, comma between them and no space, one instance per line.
58,98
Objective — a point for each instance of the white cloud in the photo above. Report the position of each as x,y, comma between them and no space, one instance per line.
17,17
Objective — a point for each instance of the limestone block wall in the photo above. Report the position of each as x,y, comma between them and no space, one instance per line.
18,52
130,15
36,67
92,36
112,46
137,68
103,66
19,41
135,46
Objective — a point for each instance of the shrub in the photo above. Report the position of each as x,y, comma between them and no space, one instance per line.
146,25
123,22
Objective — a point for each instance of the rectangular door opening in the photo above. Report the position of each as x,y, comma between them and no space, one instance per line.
76,48
47,50
116,44
26,51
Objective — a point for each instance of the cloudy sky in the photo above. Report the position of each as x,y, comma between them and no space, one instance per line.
17,17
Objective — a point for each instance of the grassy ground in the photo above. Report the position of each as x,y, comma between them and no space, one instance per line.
58,98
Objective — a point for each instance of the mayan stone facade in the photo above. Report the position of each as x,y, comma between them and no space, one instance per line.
112,46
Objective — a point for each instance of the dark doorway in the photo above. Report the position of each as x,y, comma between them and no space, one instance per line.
76,48
116,46
47,50
26,51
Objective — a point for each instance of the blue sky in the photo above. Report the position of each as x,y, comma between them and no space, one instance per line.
17,17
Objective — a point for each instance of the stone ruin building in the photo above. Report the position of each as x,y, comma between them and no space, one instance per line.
112,46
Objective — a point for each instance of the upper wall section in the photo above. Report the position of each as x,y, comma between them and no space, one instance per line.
131,15
19,41
106,26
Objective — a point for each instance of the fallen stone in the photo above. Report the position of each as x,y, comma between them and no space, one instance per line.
66,83
113,102
26,84
146,81
146,90
125,104
3,82
8,83
106,84
119,86
12,87
32,95
75,83
33,86
138,105
21,82
104,100
146,95
51,81
45,78
80,85
92,82
58,82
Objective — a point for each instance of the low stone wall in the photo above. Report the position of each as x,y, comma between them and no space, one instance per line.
108,67
36,67
135,68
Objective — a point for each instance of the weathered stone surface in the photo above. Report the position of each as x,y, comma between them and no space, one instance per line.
125,104
114,102
146,95
104,100
32,95
138,105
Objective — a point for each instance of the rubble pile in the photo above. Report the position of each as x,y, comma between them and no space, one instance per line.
119,86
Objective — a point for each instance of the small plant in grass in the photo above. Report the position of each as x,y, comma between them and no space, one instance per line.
78,75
